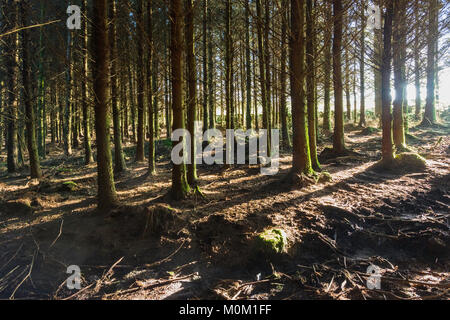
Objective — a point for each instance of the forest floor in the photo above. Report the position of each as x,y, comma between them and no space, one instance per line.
398,221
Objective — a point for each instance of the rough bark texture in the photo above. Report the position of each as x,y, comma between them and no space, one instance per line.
283,87
140,153
311,85
12,96
192,89
150,90
430,107
248,66
106,190
338,137
67,125
386,117
88,157
417,64
399,57
301,162
35,168
119,161
229,86
179,183
362,67
327,70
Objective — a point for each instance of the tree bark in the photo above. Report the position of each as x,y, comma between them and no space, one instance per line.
67,125
338,137
229,85
362,67
399,56
327,69
430,107
88,157
180,188
192,88
248,67
151,91
107,197
119,161
12,44
283,87
301,161
140,153
386,117
311,85
417,64
35,168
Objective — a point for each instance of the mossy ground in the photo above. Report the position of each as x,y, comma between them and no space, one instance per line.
272,241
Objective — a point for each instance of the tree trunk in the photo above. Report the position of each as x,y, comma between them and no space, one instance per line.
347,72
301,161
192,88
151,91
67,125
206,114
362,78
180,188
262,71
417,64
327,70
229,85
267,63
399,54
386,117
88,157
12,44
430,107
338,137
140,154
311,85
378,55
41,94
283,87
211,74
35,168
107,197
119,162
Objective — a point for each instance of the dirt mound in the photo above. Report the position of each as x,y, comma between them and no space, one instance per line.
223,237
369,131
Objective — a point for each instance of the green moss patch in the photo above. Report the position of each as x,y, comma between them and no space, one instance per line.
272,241
324,177
410,161
69,186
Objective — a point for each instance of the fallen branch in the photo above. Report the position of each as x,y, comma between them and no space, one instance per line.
157,263
25,278
14,255
59,234
152,285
